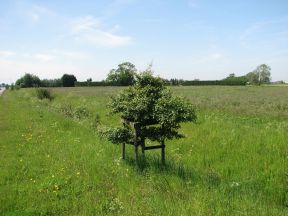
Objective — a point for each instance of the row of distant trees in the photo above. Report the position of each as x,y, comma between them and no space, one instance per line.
125,75
30,80
4,85
261,75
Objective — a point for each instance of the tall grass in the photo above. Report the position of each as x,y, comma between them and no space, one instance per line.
42,93
230,163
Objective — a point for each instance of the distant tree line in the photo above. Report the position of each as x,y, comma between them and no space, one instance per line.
125,75
4,85
214,82
261,75
87,83
30,80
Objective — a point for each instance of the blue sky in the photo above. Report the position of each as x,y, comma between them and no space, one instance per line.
187,39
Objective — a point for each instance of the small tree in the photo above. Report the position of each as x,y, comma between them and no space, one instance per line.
68,80
149,111
124,75
231,75
261,75
89,81
28,81
263,72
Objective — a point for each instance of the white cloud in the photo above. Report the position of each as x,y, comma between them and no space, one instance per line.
6,53
88,30
87,23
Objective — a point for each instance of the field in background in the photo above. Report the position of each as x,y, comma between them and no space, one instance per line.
233,161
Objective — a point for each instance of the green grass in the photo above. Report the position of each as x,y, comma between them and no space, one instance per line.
232,162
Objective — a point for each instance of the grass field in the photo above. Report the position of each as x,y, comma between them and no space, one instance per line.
233,161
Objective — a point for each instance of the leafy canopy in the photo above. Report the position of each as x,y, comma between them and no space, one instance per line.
124,75
28,81
261,75
68,80
151,106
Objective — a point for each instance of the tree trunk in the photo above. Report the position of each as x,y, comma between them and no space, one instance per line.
163,152
123,151
136,153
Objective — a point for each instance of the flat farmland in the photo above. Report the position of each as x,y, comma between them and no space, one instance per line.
232,161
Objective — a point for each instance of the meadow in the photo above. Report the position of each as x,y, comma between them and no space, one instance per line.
233,160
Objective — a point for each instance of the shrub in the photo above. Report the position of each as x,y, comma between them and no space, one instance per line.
77,113
67,110
43,93
81,112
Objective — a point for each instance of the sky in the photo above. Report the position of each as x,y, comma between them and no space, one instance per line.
188,39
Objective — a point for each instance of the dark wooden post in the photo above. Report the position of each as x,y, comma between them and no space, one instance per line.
136,126
163,152
143,148
123,151
136,152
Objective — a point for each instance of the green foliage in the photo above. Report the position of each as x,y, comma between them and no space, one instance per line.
171,110
252,78
28,81
124,75
153,108
88,83
117,135
12,87
43,93
51,83
78,113
234,82
81,112
68,80
67,110
236,79
261,75
176,82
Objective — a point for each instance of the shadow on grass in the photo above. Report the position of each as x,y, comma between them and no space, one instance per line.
208,178
181,171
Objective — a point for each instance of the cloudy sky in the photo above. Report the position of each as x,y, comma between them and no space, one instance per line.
188,39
